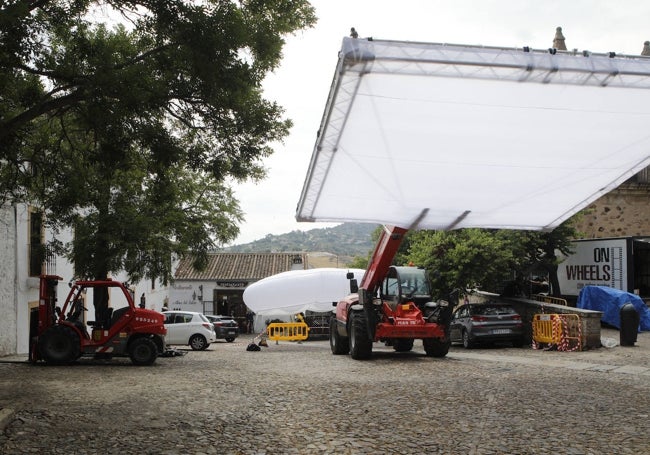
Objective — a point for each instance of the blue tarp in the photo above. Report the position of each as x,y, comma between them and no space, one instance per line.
609,301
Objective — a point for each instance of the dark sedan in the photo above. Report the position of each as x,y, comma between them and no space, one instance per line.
225,327
489,323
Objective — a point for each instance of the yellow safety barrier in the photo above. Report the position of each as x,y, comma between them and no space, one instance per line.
549,299
543,329
560,331
287,331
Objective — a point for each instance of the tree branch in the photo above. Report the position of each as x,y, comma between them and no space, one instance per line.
11,125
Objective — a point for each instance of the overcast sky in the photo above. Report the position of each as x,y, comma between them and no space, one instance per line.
302,83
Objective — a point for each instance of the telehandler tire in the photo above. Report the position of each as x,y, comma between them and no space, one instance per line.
59,345
360,343
338,343
435,347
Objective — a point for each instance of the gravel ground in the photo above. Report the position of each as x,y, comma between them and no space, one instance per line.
297,398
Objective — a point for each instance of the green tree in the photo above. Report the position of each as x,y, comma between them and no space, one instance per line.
536,252
462,259
359,262
132,134
488,259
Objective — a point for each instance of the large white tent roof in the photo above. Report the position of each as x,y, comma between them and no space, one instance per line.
465,136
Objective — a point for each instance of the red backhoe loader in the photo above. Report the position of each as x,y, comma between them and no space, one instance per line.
59,335
392,304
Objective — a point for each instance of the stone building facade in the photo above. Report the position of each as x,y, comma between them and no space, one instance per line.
623,212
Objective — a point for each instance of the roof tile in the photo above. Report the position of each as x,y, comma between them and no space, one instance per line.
240,266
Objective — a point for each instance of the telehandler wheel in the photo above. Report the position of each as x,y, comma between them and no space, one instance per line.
59,345
338,343
360,343
143,351
435,347
403,344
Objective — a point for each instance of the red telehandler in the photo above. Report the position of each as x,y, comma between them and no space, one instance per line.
59,336
392,304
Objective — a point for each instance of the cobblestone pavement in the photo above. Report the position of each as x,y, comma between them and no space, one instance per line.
297,398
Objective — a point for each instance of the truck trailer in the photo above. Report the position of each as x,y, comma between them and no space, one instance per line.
621,263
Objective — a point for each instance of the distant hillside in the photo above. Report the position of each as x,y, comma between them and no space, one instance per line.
345,240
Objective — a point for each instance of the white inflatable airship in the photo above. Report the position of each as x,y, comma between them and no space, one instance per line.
298,291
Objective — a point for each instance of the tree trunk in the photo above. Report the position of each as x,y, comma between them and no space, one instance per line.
102,253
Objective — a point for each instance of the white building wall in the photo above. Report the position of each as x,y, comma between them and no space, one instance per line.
19,291
8,321
183,295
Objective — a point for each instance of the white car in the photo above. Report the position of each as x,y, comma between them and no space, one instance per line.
189,328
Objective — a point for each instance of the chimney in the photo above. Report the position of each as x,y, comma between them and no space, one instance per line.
646,48
558,41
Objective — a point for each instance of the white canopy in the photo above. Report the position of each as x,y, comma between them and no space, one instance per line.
298,291
466,136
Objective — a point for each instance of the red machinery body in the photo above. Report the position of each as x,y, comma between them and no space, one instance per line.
392,304
60,335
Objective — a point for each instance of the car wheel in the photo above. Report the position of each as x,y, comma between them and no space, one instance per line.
467,343
360,343
198,343
230,339
434,347
338,343
59,345
143,351
403,345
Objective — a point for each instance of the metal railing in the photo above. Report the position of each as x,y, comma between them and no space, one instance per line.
41,260
549,299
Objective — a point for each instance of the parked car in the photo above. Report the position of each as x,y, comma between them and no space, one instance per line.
225,327
476,323
189,328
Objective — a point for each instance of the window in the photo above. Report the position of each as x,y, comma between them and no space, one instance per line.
36,245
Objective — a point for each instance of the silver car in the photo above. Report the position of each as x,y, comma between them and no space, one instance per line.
476,323
189,328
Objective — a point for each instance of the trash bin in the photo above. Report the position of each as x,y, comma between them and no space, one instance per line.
629,324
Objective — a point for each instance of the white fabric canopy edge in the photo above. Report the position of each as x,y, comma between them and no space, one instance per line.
360,59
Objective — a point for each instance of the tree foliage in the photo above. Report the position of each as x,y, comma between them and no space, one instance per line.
133,132
536,253
463,259
490,259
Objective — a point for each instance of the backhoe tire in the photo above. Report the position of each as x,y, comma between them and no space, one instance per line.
143,351
59,345
360,343
338,343
403,344
198,343
434,347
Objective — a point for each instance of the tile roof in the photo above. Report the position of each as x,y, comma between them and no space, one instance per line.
240,266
